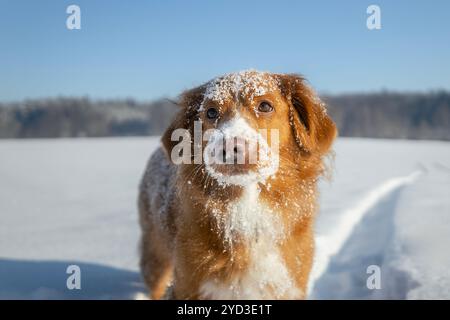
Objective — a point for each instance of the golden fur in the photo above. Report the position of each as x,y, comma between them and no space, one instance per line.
182,242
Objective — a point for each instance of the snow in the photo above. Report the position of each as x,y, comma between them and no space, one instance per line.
65,202
237,128
249,219
331,244
251,83
388,206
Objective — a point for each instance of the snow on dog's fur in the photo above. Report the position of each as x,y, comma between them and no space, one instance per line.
240,230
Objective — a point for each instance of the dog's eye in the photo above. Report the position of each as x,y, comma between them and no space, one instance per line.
212,113
265,107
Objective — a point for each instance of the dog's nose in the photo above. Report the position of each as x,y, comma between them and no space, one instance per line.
238,151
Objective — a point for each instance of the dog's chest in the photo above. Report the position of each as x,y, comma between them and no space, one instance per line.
248,219
259,227
266,277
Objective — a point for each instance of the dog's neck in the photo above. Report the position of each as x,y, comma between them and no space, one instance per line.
243,214
247,218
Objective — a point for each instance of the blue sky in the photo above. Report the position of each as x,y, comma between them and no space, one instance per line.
150,49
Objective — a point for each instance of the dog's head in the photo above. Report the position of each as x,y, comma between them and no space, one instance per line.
249,126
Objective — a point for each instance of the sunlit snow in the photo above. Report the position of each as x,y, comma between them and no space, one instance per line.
66,202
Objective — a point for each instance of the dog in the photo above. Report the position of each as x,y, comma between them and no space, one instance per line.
221,230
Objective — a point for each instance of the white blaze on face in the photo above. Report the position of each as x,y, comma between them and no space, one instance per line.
266,160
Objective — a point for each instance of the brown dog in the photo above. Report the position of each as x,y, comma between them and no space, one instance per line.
219,230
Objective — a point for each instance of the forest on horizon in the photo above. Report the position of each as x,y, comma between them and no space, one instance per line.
375,115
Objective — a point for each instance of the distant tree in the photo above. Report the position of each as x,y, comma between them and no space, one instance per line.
376,115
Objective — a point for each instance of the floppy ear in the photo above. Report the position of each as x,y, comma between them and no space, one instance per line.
189,103
313,129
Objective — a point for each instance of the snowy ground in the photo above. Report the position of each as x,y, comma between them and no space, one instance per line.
66,202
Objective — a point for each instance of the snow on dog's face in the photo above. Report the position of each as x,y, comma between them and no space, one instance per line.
237,154
253,126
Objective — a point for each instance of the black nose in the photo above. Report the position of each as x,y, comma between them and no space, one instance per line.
235,153
237,150
224,155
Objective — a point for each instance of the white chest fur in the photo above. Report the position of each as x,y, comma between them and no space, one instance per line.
267,276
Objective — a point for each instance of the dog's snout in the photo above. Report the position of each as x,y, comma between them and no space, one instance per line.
237,151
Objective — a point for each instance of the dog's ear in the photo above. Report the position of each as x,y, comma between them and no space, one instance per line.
189,102
313,129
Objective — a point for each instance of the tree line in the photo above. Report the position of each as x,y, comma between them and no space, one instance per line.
374,115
